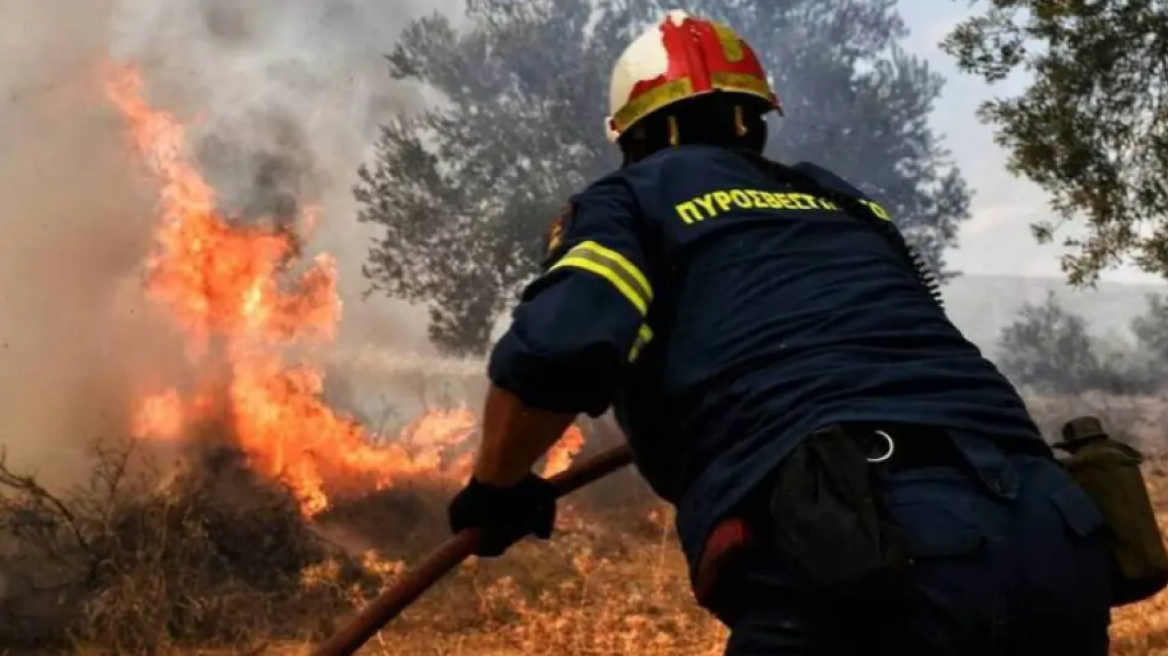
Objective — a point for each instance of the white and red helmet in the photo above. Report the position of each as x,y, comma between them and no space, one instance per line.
679,58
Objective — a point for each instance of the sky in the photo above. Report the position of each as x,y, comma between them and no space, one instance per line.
997,239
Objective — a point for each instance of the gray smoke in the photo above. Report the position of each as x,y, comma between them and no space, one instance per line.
284,97
289,95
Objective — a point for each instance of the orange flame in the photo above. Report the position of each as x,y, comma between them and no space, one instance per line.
161,415
561,455
215,277
230,289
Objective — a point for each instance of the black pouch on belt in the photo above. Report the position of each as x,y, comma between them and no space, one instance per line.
1109,472
828,522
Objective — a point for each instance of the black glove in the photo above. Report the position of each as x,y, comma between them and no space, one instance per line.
505,514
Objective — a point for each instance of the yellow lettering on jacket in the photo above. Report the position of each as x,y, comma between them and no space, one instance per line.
715,203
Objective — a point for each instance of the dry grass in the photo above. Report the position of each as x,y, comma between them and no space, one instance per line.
210,560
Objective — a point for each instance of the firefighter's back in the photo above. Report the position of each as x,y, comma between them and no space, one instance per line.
849,472
778,313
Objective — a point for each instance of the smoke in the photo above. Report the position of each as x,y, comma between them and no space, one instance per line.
72,230
285,97
289,95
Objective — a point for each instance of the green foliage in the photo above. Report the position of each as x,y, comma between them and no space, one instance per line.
462,194
1051,350
1091,127
1151,330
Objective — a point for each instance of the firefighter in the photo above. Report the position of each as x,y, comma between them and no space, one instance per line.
848,471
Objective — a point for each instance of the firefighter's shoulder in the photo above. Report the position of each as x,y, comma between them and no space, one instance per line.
671,175
606,207
828,178
832,181
681,158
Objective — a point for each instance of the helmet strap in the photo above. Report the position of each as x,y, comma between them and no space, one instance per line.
740,127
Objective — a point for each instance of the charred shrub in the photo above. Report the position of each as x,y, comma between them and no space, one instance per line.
136,562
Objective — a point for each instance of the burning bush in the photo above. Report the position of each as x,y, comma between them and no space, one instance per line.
206,553
210,555
222,550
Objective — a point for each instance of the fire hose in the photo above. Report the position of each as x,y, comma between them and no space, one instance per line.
395,599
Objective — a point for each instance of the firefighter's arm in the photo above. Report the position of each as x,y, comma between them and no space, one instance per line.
515,436
575,333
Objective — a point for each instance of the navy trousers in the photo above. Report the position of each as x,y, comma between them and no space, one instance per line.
1009,559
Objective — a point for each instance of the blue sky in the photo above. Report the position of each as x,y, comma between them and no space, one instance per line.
997,239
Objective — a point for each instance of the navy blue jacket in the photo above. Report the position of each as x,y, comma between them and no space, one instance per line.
725,315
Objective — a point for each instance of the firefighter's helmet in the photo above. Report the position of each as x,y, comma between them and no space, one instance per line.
682,57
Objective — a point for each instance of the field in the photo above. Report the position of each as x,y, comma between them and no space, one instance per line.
205,557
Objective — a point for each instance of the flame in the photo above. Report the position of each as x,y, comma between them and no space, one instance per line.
561,455
217,278
231,290
161,415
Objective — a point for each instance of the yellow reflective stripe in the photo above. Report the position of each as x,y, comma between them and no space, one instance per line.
614,268
609,275
644,336
623,263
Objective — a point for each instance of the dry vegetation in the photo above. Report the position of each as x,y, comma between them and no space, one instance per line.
206,558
